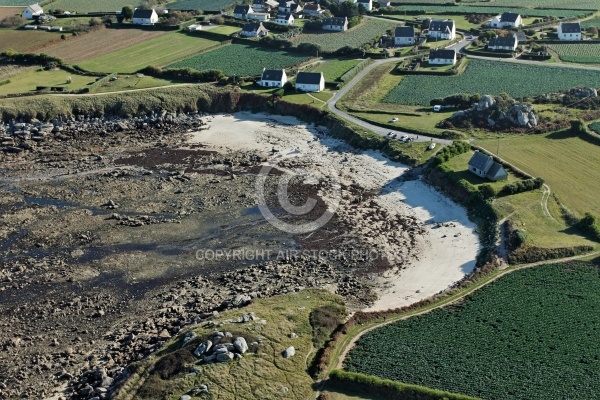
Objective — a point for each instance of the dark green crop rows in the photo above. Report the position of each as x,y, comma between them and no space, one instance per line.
533,334
204,5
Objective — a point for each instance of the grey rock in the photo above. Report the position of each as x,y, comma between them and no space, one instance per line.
203,348
240,345
289,352
486,102
224,357
185,397
209,358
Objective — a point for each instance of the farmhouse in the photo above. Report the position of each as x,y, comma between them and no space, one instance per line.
144,17
503,43
404,36
254,29
442,29
288,7
284,19
264,5
32,11
310,81
569,31
367,4
240,12
259,16
484,166
313,9
506,20
442,57
335,24
273,78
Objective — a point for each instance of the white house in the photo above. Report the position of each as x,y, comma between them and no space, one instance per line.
484,166
442,29
442,57
34,10
273,78
264,5
287,6
313,9
194,27
310,81
254,29
569,31
404,36
144,17
335,24
503,43
284,19
259,16
367,4
240,12
506,20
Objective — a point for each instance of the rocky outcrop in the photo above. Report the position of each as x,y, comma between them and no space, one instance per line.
497,114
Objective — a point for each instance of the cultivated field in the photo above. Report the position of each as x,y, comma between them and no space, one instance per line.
595,126
526,336
333,69
150,52
205,5
491,77
84,6
99,42
355,37
25,41
590,22
10,11
567,4
8,3
242,60
577,52
568,164
469,9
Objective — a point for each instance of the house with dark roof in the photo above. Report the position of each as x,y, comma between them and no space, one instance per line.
240,12
367,4
521,37
442,29
338,24
404,36
284,19
484,166
264,5
569,31
503,43
310,81
273,78
288,7
32,11
506,20
442,57
254,29
144,17
313,9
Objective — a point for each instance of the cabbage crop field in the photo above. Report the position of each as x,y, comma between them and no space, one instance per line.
491,77
85,6
366,32
242,60
204,5
566,4
10,3
595,22
577,52
533,334
471,9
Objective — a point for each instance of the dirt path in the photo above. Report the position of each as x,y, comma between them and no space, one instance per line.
544,202
467,292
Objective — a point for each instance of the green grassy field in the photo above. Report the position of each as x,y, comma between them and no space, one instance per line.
495,10
225,29
528,335
27,81
9,3
85,6
460,20
460,168
262,373
128,82
205,5
24,41
355,37
568,164
491,77
242,60
333,69
577,53
151,52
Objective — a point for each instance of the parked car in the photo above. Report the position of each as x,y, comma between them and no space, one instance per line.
408,140
403,137
437,108
390,133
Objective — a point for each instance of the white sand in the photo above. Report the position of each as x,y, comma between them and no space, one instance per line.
445,254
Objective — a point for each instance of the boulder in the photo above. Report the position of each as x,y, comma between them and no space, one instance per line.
188,337
241,300
210,358
240,345
289,352
224,357
203,348
581,93
221,348
185,397
486,102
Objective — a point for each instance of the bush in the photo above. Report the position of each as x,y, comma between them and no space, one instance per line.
529,254
29,59
521,186
589,225
324,320
187,74
14,21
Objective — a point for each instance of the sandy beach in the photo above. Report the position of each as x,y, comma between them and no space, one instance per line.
446,249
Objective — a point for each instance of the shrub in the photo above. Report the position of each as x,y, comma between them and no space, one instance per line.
589,225
324,320
12,22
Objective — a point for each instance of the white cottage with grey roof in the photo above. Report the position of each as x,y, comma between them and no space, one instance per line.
569,31
32,11
484,166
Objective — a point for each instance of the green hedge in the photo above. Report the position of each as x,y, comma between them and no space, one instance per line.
389,389
521,186
589,224
184,74
29,58
529,254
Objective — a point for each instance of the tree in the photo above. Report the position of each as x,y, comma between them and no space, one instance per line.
309,48
127,12
592,31
348,9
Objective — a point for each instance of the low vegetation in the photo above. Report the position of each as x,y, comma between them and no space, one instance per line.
526,336
205,5
491,77
472,9
333,70
242,60
85,6
577,52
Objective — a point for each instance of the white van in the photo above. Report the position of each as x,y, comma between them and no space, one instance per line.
437,108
